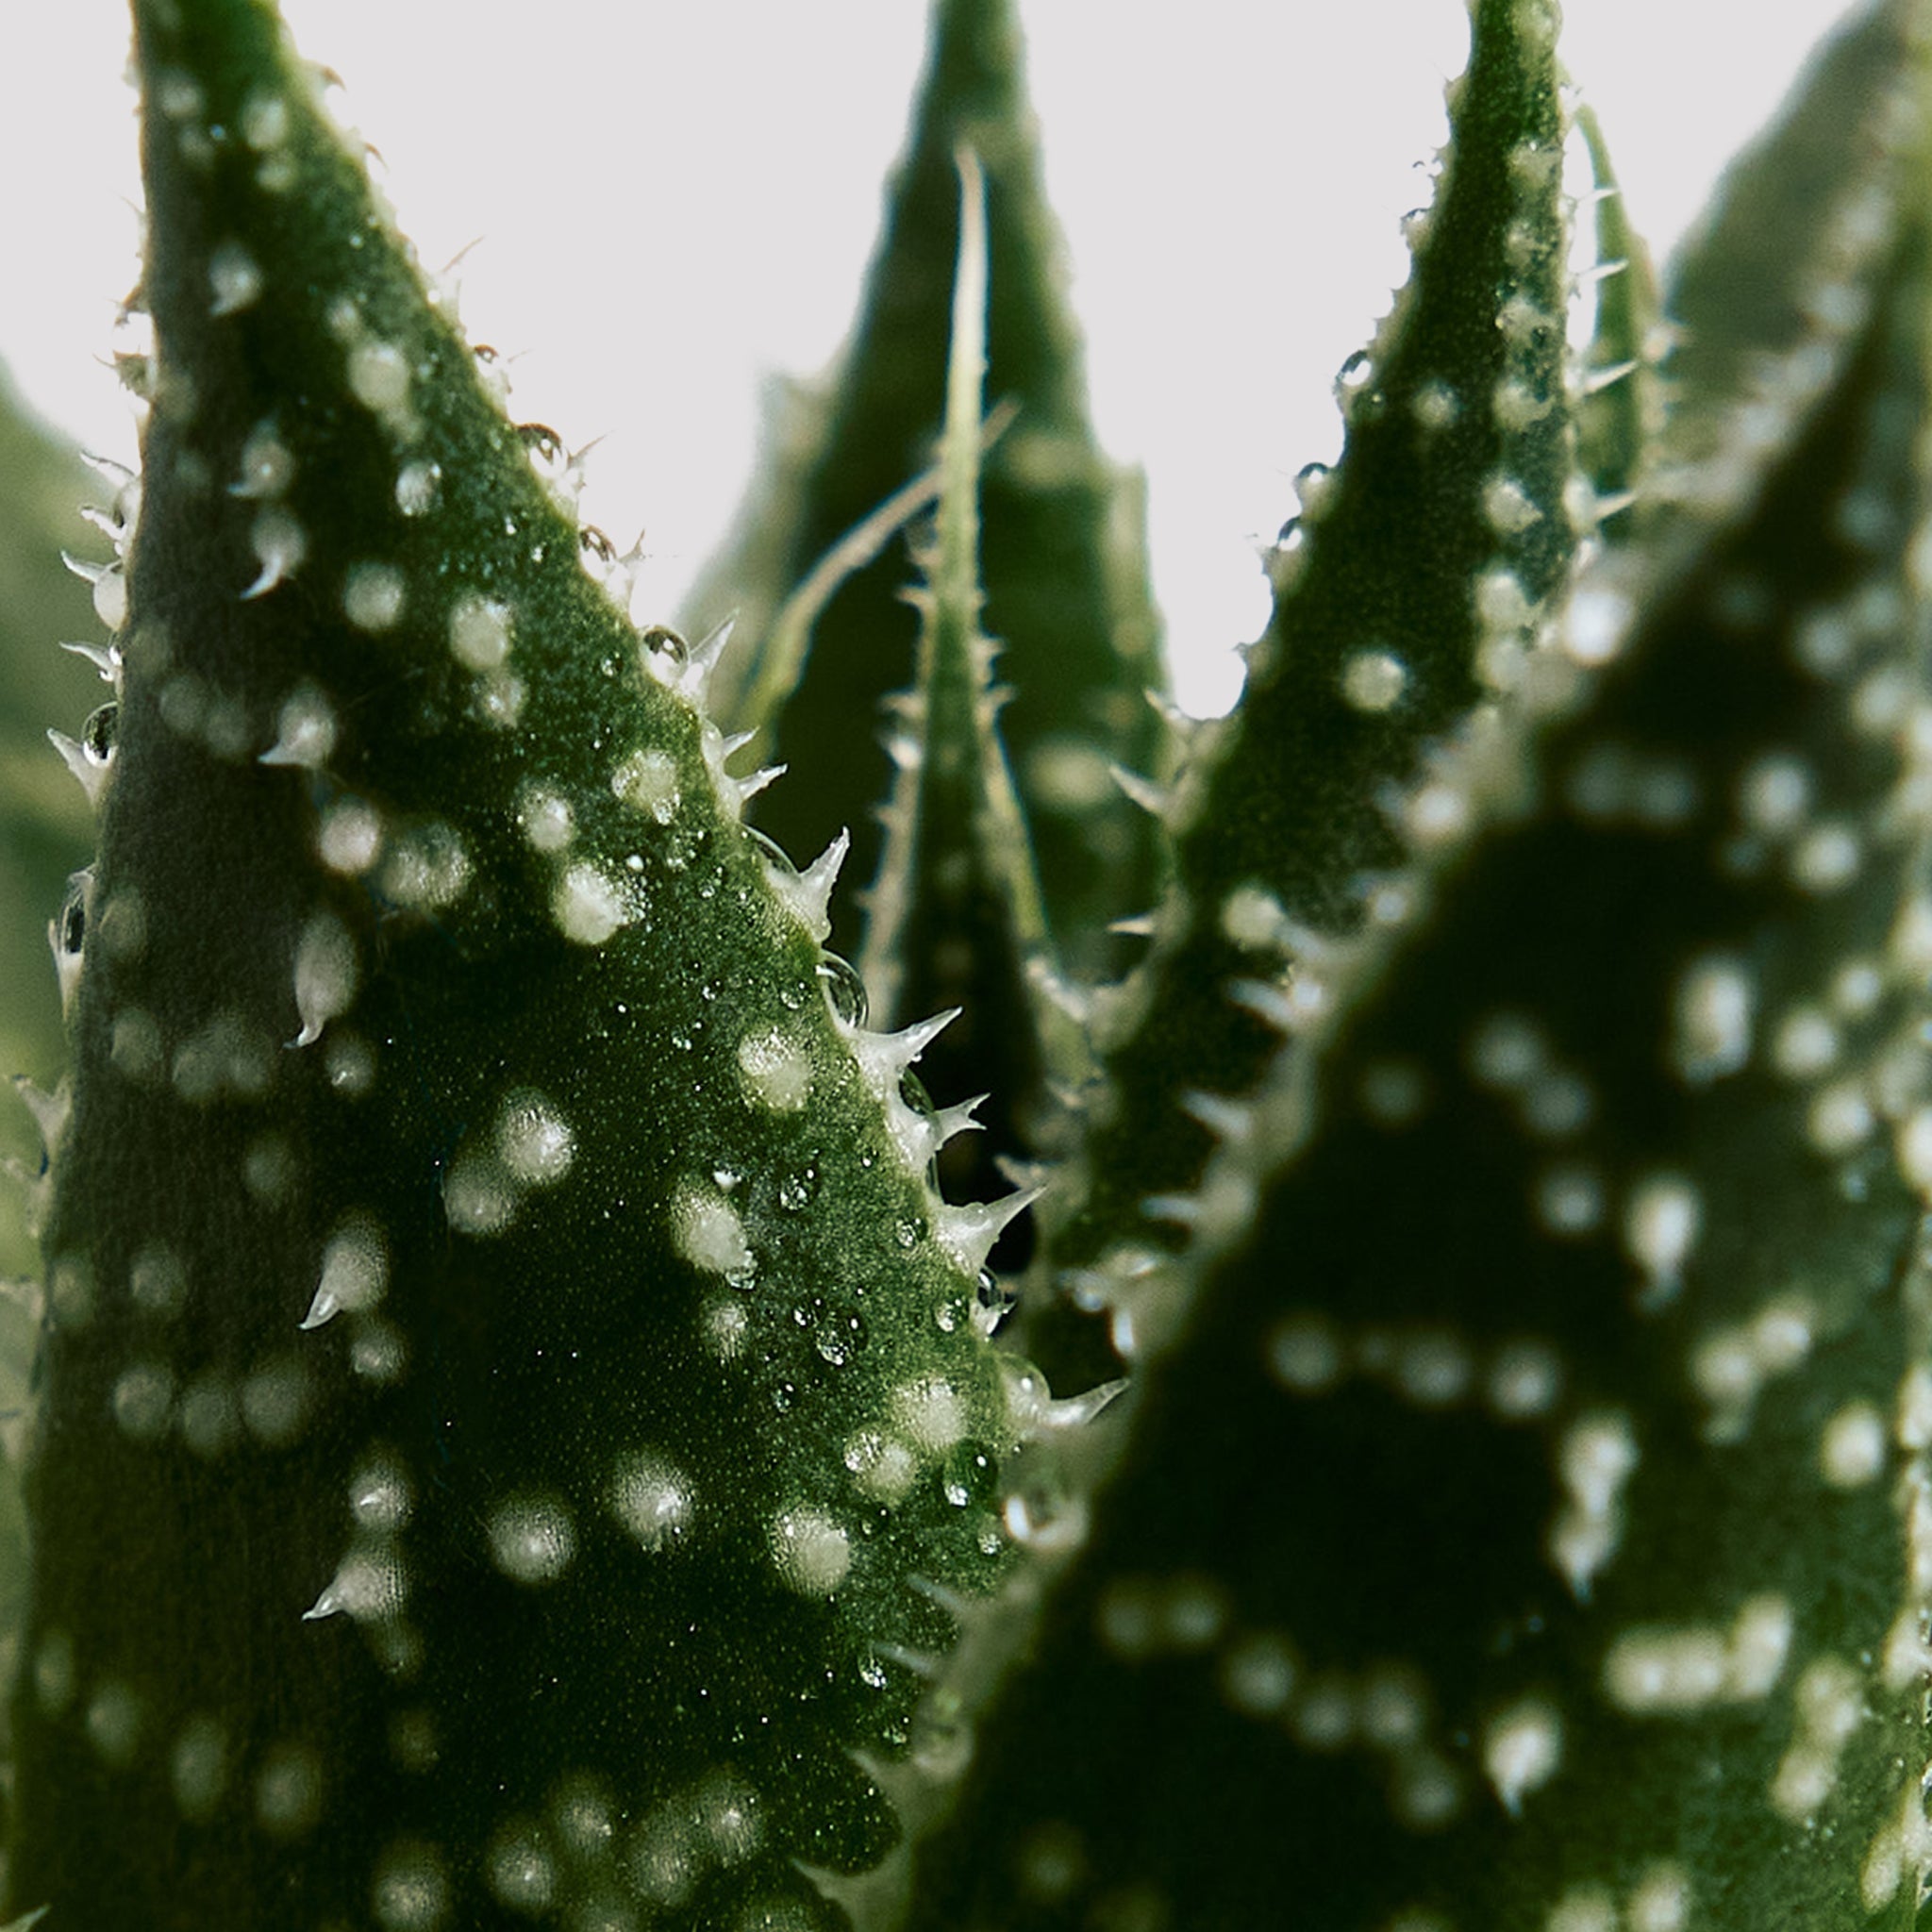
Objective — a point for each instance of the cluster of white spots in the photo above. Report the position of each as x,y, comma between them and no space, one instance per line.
1730,1364
533,1537
1901,1849
1839,1119
1852,1448
410,1892
1826,858
349,1064
1508,506
1507,1054
113,1722
724,1326
228,1058
707,1230
428,868
379,378
649,780
519,1868
234,278
135,1045
268,1168
1594,624
1774,794
1662,1216
279,543
275,1399
1517,406
775,1070
381,1497
287,1789
651,1497
478,1197
533,1140
1583,1908
325,974
1828,1705
588,906
1713,1004
810,1550
1660,1901
268,465
209,1415
1613,783
348,837
1432,1367
1594,1461
157,1282
1660,1671
480,632
1522,1748
930,1413
198,1768
355,1270
545,818
1374,680
419,487
1435,406
882,1467
143,1399
373,596
305,731
53,1675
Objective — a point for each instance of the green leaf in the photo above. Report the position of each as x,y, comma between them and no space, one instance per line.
1063,570
1530,1529
1407,595
501,1330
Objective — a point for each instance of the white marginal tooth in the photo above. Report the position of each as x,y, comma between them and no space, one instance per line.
885,1055
735,742
703,660
1226,1120
91,775
1140,926
809,893
1144,793
958,1118
1596,381
87,572
322,1310
1178,1210
968,1231
751,787
1075,1411
50,1110
106,661
327,970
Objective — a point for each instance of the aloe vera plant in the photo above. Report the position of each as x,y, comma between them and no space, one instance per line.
527,1428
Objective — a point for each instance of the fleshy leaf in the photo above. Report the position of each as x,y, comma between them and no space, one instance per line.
1409,592
538,1409
1063,570
1533,1529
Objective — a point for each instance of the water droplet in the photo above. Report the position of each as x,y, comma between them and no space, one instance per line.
910,1232
97,734
994,1301
843,989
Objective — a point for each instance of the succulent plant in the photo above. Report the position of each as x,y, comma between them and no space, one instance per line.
537,1416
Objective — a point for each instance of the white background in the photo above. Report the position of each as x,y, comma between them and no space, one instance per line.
678,197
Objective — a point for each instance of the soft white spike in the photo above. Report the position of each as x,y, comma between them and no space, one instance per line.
808,894
1077,1411
327,970
696,681
87,572
50,1110
108,525
35,1189
1594,381
1177,1210
90,772
959,1118
1600,272
106,661
1140,926
751,787
369,1585
883,1057
968,1231
1226,1120
280,547
1144,793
